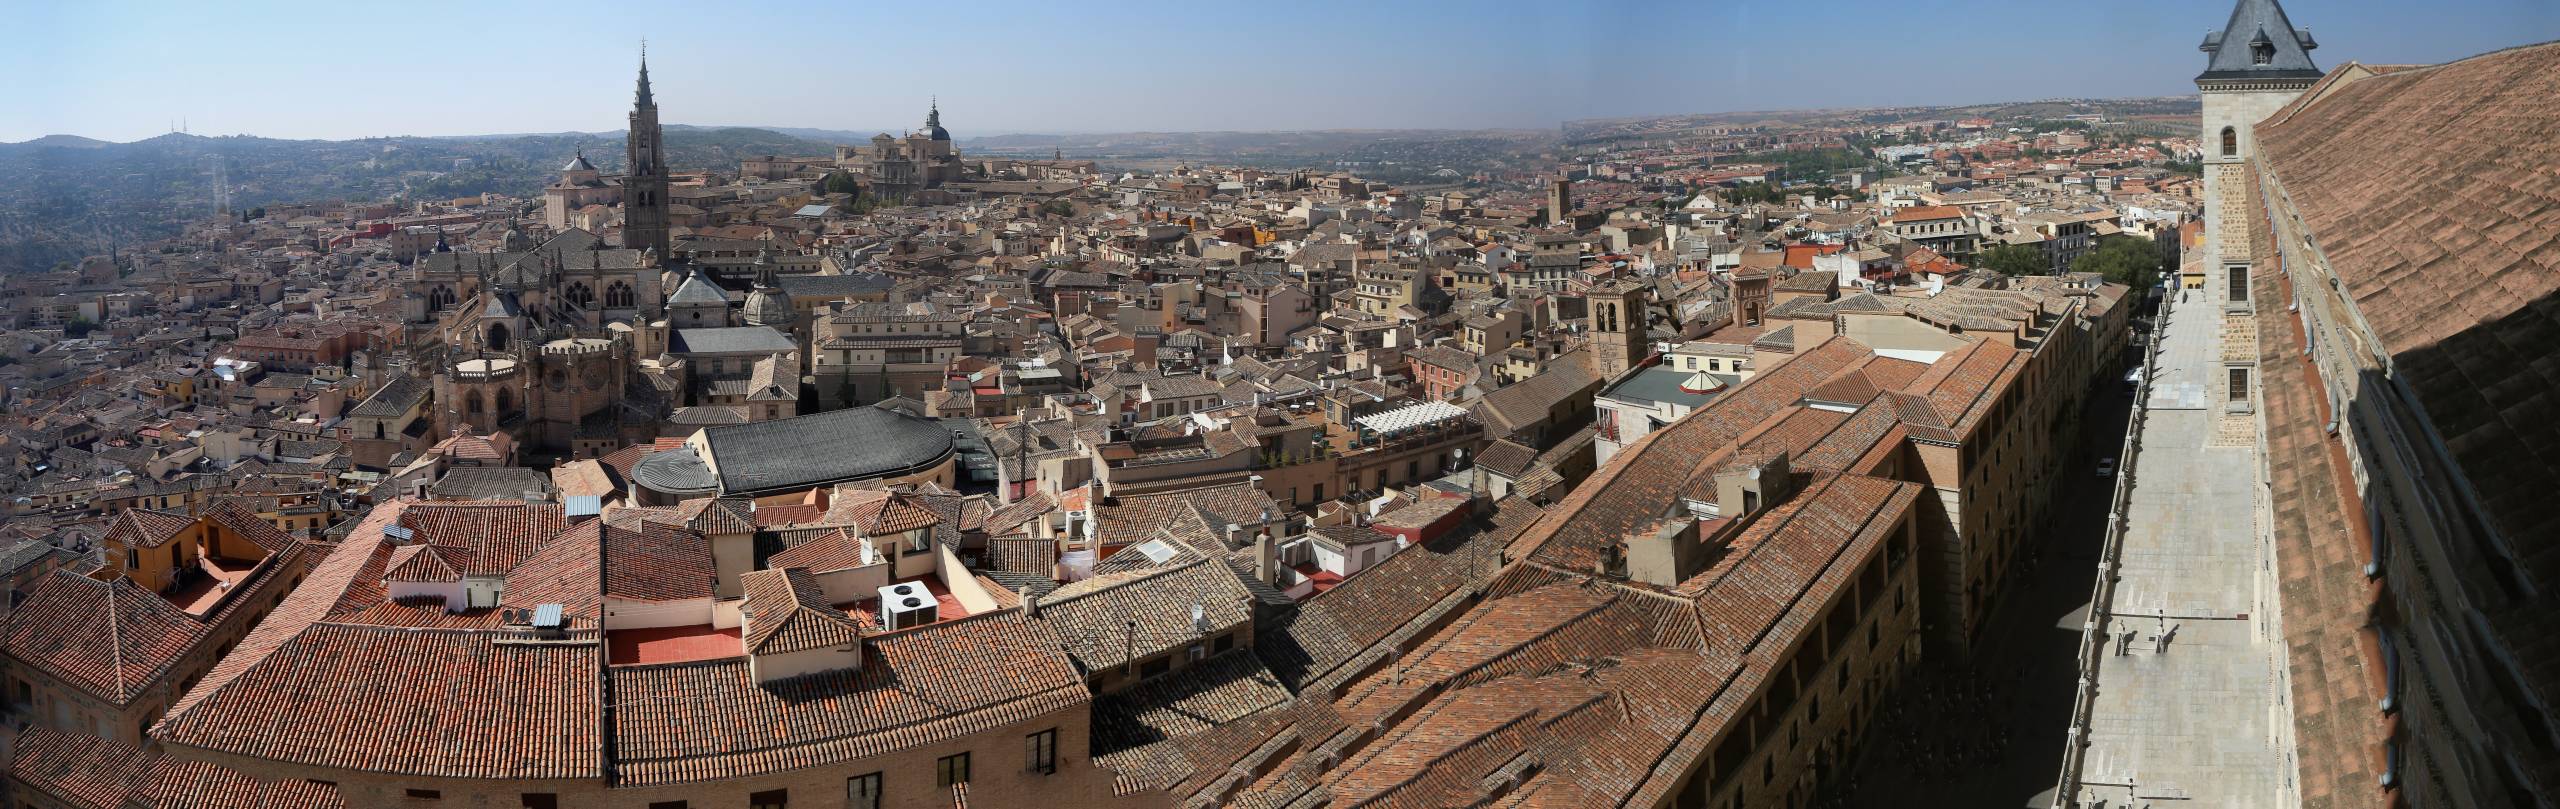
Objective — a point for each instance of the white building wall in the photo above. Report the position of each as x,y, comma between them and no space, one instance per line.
623,613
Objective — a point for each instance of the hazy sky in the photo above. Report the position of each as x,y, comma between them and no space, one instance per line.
123,71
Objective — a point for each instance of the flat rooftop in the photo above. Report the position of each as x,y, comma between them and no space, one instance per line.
672,644
201,595
1661,385
2193,719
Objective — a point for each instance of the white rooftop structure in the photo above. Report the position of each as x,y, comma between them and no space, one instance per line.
1410,416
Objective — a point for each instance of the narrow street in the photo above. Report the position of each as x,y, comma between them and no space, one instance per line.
1988,731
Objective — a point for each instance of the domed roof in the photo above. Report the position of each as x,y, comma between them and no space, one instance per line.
767,306
579,163
933,123
676,471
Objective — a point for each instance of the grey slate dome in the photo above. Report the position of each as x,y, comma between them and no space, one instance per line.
933,123
675,472
767,306
579,163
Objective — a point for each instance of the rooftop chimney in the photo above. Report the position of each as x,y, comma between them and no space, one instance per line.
1751,483
1668,553
1266,558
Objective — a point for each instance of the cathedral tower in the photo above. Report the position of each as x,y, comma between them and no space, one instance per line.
2256,64
644,189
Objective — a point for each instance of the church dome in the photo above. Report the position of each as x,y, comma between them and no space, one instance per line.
933,124
767,306
579,163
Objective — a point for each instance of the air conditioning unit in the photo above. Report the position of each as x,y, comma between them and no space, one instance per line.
906,604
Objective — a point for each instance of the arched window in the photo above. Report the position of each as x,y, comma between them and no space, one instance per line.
506,401
497,337
581,295
617,296
471,402
440,299
2230,142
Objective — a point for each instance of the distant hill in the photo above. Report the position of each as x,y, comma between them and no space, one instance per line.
63,196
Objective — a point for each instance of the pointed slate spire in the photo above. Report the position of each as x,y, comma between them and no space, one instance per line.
642,98
2259,43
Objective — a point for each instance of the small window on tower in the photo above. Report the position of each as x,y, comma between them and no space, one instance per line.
2230,142
2262,52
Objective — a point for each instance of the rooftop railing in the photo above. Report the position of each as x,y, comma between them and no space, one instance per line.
2084,696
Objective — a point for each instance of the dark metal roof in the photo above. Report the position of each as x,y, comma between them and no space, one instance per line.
839,445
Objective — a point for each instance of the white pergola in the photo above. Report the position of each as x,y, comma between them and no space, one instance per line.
1410,416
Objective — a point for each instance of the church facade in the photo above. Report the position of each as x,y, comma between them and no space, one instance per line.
900,167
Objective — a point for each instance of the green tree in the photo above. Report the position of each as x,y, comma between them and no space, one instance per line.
78,328
840,183
2014,259
2128,260
1058,207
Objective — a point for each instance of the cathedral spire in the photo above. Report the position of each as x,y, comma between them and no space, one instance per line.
933,114
642,97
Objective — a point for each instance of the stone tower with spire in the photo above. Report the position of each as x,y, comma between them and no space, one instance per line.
644,188
2255,65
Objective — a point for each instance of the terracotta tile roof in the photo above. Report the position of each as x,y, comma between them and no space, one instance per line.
1520,405
407,701
498,535
1920,213
111,639
1223,689
659,562
1011,518
423,563
1506,457
787,514
2336,726
1334,630
2429,193
880,514
177,784
1038,557
827,550
1136,517
1639,483
145,528
76,768
248,525
709,720
1095,617
567,573
787,612
711,516
356,562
